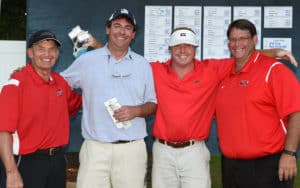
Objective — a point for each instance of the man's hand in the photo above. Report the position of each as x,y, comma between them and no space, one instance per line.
287,167
92,42
18,69
14,180
125,113
284,54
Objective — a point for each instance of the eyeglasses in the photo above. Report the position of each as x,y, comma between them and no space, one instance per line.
119,27
120,75
240,40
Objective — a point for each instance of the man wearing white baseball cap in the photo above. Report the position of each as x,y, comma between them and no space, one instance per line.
186,92
183,116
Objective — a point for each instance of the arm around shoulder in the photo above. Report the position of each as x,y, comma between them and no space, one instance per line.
280,53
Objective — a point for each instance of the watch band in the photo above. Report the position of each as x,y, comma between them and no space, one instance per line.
292,153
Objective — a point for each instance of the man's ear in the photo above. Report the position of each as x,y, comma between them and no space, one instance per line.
30,53
255,39
107,30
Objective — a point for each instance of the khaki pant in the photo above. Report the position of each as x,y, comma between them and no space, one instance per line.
186,167
107,165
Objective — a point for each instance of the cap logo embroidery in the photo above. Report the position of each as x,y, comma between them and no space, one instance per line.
124,11
182,34
48,34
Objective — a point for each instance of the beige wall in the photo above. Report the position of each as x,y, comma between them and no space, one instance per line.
12,56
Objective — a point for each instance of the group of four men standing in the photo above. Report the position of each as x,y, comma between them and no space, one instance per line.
254,98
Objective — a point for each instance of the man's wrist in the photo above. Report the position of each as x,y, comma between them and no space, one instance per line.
288,152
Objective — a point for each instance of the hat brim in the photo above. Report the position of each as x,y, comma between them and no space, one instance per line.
178,42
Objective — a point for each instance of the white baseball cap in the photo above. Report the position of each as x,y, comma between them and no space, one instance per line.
183,36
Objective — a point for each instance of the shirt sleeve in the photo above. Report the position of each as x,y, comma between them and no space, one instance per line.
285,88
9,105
74,101
72,73
221,66
150,95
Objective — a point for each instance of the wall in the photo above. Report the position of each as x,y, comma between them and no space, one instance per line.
12,55
62,15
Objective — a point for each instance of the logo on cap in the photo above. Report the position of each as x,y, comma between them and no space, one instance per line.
124,12
48,33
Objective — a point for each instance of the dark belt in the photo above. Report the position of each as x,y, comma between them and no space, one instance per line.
177,144
122,141
49,151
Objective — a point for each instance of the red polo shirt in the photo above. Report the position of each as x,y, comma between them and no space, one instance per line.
37,111
185,107
253,106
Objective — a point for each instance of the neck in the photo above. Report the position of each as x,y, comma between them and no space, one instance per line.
44,74
117,53
183,70
241,62
239,65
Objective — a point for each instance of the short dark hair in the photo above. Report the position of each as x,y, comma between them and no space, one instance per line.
242,24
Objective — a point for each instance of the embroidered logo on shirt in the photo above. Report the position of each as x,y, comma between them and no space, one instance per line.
196,81
59,92
244,82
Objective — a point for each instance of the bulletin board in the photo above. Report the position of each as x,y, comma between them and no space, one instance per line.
61,16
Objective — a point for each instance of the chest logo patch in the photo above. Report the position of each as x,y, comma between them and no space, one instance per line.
59,92
244,82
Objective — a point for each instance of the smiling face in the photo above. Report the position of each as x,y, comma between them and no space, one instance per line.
183,54
120,34
43,55
242,39
241,44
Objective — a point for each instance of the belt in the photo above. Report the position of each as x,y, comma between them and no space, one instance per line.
49,151
177,144
122,141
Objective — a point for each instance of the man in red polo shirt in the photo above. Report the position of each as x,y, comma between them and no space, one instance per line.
258,116
34,113
185,89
